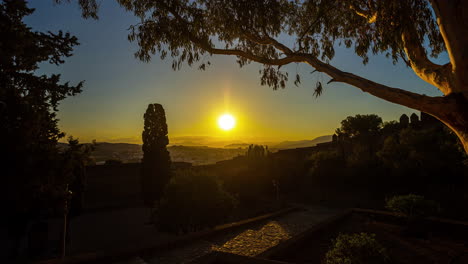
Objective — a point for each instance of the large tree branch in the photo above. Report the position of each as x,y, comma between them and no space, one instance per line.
394,95
438,75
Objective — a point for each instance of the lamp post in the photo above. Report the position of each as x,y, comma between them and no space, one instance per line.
67,196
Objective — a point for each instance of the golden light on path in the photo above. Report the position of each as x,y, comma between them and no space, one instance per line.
226,122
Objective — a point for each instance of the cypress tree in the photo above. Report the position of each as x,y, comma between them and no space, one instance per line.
156,163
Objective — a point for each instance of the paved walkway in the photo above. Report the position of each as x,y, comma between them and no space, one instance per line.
248,242
113,230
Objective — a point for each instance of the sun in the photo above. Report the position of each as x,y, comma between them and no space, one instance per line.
226,122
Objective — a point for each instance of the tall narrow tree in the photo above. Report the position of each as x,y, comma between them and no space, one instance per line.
156,163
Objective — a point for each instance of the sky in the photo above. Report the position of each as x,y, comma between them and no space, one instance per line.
118,88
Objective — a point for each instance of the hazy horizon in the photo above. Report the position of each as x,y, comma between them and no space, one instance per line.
209,141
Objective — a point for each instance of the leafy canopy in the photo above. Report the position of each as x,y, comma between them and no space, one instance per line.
188,30
360,126
356,249
412,205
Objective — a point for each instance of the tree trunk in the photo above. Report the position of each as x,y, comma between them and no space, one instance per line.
454,113
452,18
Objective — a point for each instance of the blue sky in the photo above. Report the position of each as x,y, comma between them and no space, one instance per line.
119,87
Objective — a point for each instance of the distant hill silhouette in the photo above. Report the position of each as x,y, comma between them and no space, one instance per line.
240,145
303,143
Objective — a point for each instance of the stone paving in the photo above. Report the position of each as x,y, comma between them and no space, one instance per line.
248,242
113,230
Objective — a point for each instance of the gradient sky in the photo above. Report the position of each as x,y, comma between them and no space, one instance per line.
119,87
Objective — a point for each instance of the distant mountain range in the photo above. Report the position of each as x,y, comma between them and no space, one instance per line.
303,143
197,155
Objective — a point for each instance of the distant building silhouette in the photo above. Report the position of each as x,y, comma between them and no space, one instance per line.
404,121
414,118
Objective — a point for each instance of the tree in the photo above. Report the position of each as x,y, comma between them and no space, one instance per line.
72,165
408,30
431,150
256,152
32,172
192,201
156,163
363,132
360,127
357,248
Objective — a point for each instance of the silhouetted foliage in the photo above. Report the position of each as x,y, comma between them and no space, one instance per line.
412,206
113,162
391,127
31,163
256,152
360,126
426,159
193,201
429,150
357,249
255,181
323,164
415,208
72,165
360,133
156,162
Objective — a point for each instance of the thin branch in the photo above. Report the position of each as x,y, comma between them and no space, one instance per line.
267,40
367,14
316,20
250,56
205,45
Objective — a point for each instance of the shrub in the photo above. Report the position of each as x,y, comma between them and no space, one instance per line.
356,249
192,201
413,206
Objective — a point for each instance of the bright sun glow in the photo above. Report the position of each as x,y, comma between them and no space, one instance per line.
226,122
